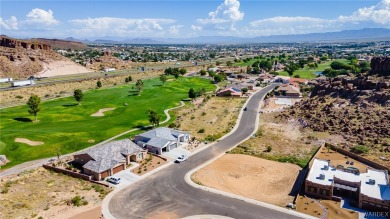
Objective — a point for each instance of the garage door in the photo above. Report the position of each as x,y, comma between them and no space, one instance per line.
172,146
119,168
105,174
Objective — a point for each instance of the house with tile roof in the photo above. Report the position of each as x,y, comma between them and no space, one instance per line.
161,139
107,159
288,90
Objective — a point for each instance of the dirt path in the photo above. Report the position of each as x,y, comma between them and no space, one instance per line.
29,142
251,177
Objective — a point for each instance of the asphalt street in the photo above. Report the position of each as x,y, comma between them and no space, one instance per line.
166,192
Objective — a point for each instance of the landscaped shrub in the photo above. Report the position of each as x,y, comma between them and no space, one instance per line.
360,149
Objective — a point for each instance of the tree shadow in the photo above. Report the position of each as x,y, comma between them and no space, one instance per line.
70,104
20,119
143,127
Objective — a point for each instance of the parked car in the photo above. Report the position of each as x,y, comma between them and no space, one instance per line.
181,158
114,180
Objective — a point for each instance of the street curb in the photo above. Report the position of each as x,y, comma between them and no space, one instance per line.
187,177
104,208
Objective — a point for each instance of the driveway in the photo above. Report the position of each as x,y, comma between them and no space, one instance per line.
127,178
175,153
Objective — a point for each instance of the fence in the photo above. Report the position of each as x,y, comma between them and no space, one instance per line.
68,172
357,157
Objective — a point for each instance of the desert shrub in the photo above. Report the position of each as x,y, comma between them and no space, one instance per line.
19,97
269,148
78,201
201,130
203,113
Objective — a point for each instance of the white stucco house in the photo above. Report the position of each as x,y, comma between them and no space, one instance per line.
161,139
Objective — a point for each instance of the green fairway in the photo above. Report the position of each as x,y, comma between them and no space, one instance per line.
63,125
309,73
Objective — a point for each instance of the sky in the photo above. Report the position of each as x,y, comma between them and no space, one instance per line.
187,18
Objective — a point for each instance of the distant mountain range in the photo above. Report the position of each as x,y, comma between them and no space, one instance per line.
345,35
367,34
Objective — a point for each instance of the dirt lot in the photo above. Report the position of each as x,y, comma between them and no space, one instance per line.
252,177
42,193
339,159
213,117
282,141
309,206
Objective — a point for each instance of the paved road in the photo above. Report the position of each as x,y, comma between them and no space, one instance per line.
167,192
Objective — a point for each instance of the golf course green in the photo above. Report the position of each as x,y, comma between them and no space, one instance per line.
65,126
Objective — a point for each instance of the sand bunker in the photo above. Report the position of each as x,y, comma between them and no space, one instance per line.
29,142
101,111
251,177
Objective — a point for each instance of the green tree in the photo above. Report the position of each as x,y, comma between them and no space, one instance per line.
191,93
218,78
229,63
128,79
154,117
163,79
203,72
244,90
99,84
78,95
183,71
33,102
291,68
139,85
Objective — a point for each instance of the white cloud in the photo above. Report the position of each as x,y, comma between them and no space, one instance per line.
378,14
224,17
111,26
291,25
175,29
10,24
195,27
375,16
40,16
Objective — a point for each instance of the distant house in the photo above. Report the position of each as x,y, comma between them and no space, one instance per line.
233,92
266,78
298,80
161,139
288,90
110,158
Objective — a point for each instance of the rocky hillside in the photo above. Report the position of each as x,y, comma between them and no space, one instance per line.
62,44
356,107
22,58
108,61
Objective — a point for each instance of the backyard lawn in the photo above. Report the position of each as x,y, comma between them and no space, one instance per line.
67,127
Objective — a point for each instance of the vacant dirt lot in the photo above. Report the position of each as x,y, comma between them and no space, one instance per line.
42,193
282,141
251,177
309,206
215,116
